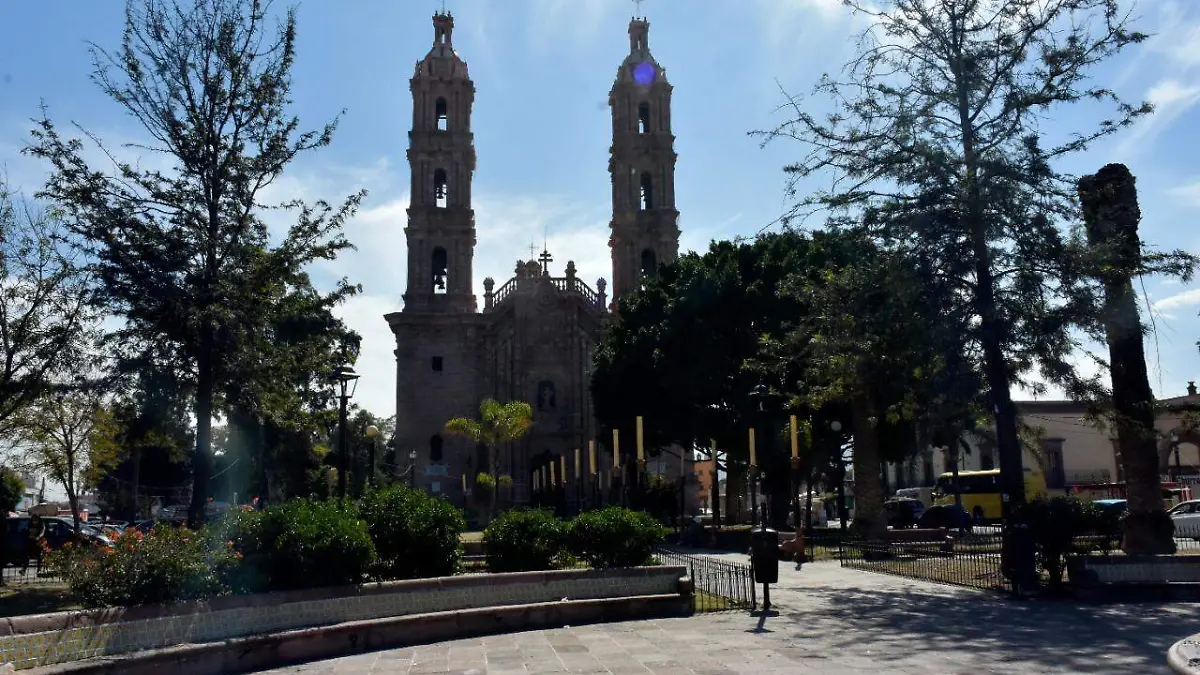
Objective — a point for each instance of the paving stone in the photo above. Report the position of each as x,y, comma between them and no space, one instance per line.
831,621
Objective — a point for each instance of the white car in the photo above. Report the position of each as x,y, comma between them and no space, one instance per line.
1187,519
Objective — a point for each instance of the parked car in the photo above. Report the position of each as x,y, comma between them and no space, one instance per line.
59,531
1186,517
901,513
948,516
1117,505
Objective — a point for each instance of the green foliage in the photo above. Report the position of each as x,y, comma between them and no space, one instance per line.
1063,526
165,566
12,489
415,534
524,540
184,255
303,543
615,537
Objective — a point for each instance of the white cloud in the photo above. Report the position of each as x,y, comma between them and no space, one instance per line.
1188,298
1171,99
1188,192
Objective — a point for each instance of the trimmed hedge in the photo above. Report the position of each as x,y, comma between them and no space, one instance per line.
615,537
415,534
524,541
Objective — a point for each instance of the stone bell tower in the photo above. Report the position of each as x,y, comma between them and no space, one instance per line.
441,154
645,224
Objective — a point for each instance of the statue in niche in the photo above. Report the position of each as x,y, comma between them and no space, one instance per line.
546,395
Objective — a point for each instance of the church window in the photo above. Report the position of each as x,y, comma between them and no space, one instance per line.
437,364
435,449
643,118
647,191
441,192
441,270
649,264
439,111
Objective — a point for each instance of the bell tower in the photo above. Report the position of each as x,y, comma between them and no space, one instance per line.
645,224
441,155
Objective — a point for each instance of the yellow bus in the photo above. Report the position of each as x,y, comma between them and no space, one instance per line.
980,491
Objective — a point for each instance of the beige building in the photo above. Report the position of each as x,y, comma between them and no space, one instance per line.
534,337
1074,450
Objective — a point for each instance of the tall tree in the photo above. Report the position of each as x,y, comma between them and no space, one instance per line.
184,255
498,423
1111,213
943,108
56,432
12,489
44,301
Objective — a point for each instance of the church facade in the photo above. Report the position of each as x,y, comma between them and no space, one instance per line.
534,336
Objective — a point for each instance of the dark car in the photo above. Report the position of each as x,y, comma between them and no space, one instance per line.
949,516
58,531
903,512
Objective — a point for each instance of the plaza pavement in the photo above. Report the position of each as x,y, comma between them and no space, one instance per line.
830,621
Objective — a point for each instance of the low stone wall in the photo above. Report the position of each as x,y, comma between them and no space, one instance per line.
1131,578
33,641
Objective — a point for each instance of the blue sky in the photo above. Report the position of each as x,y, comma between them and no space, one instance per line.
542,69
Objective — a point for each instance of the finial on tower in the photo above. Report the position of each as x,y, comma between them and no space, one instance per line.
638,3
443,27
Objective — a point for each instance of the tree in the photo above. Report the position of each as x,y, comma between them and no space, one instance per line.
688,385
57,433
941,115
12,490
44,301
498,423
184,255
1111,213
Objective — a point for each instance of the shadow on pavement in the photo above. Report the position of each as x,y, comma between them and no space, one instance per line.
897,625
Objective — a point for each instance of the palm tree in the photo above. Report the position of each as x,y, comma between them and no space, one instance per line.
498,423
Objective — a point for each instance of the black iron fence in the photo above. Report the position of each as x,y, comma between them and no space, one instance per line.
968,560
719,585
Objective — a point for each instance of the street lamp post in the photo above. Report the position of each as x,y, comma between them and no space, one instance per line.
372,435
836,427
412,468
347,381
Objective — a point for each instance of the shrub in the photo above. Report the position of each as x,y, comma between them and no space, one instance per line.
1064,526
415,534
615,537
524,540
301,543
167,565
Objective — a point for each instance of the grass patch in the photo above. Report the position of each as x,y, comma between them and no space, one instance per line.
707,602
24,599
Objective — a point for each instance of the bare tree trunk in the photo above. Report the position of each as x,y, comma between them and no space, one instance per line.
1111,214
868,484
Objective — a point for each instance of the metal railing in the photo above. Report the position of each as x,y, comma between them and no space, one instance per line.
970,560
719,585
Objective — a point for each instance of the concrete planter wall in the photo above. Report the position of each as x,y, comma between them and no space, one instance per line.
1135,577
35,641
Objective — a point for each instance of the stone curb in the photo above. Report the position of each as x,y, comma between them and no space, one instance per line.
261,652
1184,656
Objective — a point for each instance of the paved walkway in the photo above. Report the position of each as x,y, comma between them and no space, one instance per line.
830,622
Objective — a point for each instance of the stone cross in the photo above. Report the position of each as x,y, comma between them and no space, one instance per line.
546,260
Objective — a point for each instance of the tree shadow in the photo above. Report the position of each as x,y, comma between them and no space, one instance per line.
909,624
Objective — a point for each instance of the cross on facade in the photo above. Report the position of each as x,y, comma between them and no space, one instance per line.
532,250
546,260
